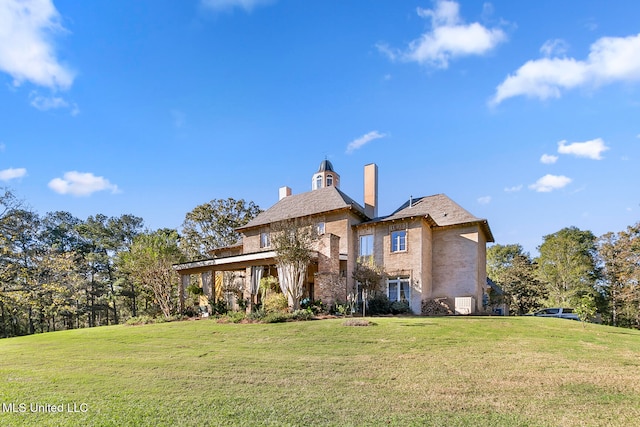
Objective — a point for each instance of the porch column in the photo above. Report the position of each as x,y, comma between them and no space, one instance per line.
206,283
184,282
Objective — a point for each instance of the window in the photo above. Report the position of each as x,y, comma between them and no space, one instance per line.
265,240
398,289
366,245
320,228
329,180
399,241
318,181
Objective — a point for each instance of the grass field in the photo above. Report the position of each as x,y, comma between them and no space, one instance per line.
452,371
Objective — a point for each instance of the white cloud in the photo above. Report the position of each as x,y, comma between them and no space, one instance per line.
484,200
590,149
81,184
611,59
11,173
549,183
26,49
359,142
46,103
224,5
548,159
554,47
513,189
448,38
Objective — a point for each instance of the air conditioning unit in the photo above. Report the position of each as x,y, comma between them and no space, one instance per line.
465,305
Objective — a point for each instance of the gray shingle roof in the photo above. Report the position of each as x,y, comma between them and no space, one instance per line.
300,205
440,208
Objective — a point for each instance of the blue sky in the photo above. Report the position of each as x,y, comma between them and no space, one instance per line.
525,113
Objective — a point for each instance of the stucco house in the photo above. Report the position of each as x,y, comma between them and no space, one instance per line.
430,247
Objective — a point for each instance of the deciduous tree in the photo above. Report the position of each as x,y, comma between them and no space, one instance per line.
293,242
567,265
213,224
513,270
149,263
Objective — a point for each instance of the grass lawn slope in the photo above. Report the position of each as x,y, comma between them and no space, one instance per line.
452,371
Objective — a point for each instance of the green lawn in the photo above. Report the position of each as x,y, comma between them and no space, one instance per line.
452,371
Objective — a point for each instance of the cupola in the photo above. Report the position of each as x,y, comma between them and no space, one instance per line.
325,176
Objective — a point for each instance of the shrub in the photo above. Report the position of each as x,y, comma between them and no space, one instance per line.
276,317
378,304
256,315
400,307
276,303
232,317
194,289
219,307
316,306
306,314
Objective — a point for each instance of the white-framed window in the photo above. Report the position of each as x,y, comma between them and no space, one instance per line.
318,181
399,241
399,289
265,240
329,180
366,245
320,228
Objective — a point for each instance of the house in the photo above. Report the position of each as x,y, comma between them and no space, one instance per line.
430,247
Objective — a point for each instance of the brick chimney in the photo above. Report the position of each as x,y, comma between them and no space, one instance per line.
371,190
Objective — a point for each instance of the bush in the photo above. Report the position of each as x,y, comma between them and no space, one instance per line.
256,315
378,304
316,306
232,317
306,314
219,307
194,289
400,307
276,303
276,317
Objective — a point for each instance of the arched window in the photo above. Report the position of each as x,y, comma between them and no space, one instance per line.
319,181
329,180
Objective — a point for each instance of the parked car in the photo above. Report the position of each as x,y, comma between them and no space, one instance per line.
563,313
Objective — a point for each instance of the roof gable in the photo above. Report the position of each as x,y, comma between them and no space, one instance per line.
305,204
439,207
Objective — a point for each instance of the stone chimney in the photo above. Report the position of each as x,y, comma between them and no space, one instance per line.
284,192
371,190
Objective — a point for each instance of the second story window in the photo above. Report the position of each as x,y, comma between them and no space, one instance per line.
399,241
320,228
265,240
366,245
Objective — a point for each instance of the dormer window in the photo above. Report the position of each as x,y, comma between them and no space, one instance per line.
329,180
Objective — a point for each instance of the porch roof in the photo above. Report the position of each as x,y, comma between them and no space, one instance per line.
234,262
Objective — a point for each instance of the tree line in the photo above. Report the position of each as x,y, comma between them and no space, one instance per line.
61,272
598,276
